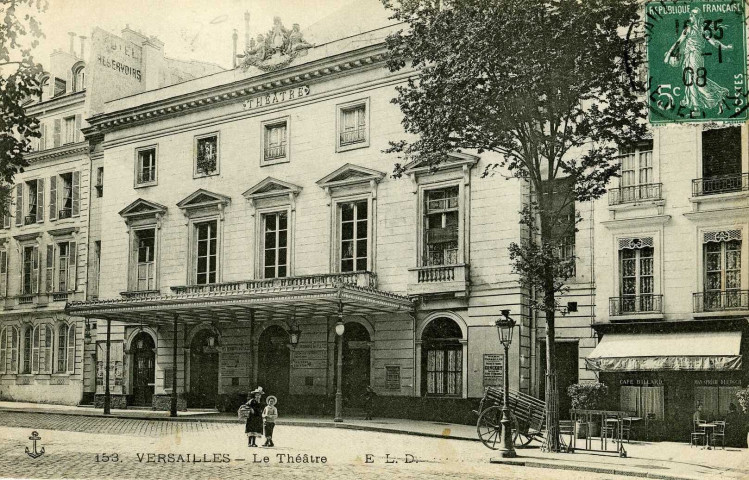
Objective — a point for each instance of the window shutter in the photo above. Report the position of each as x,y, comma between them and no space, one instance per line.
50,272
71,349
4,273
19,205
43,137
53,198
78,136
57,134
72,266
6,216
76,193
35,270
40,200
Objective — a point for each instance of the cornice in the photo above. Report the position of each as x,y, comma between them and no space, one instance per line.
232,93
625,223
64,150
56,102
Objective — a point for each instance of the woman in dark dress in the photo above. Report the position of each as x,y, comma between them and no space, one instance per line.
254,426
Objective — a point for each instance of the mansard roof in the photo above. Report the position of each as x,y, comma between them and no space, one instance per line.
142,208
271,187
350,174
203,198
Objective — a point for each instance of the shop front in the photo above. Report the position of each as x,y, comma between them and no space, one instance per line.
660,378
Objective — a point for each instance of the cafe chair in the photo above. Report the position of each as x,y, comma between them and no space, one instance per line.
610,427
697,432
626,428
719,432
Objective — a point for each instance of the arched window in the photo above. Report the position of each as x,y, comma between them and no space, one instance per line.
442,358
26,350
45,359
71,349
44,93
62,346
79,78
3,349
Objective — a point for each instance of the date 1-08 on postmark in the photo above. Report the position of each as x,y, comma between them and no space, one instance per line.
697,61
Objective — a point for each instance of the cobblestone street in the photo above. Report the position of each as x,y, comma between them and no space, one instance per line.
130,448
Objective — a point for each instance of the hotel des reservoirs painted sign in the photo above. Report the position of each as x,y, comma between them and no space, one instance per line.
696,61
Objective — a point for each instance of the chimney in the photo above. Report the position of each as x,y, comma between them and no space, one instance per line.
246,30
234,51
72,37
83,45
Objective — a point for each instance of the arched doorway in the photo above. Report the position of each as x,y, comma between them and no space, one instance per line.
203,370
143,351
442,358
356,367
273,363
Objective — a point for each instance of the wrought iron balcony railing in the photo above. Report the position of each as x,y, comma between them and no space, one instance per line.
635,193
64,213
359,279
721,301
736,182
276,152
353,136
29,219
147,176
635,304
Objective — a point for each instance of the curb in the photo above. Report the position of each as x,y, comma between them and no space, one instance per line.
293,423
585,468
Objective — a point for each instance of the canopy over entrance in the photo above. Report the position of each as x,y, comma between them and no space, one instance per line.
695,351
281,298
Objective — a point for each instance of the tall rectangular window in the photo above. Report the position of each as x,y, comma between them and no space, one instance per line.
145,261
275,245
31,202
66,196
63,252
206,252
722,284
206,155
561,202
275,141
29,270
444,371
721,161
354,235
70,130
146,166
441,210
636,282
353,125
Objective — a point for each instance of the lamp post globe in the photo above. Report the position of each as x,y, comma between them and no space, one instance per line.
505,326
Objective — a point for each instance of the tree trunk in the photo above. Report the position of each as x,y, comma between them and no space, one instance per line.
552,395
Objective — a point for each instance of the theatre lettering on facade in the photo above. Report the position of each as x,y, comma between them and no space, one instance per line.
255,204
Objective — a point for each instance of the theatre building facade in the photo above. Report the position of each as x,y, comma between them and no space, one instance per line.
251,211
672,300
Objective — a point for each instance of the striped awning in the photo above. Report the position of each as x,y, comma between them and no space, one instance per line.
695,351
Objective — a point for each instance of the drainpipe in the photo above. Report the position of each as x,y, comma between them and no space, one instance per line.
173,406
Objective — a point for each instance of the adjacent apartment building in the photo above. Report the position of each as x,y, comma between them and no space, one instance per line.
49,245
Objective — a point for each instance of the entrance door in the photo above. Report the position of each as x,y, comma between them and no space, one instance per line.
567,374
273,363
144,369
203,370
356,366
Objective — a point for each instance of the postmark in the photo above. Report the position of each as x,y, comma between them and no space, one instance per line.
696,53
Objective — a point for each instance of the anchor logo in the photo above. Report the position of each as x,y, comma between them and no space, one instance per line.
35,454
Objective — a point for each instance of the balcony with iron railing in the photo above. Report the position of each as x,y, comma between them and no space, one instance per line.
64,213
147,176
350,137
635,305
275,152
29,219
635,193
725,301
735,182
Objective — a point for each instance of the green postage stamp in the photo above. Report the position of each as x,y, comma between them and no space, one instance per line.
697,61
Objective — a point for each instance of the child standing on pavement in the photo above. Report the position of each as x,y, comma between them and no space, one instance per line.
270,414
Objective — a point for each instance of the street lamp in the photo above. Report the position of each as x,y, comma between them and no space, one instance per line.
294,334
339,329
505,326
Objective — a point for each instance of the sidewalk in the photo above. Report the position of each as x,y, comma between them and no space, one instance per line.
664,460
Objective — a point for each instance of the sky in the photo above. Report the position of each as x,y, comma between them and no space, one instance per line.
190,29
